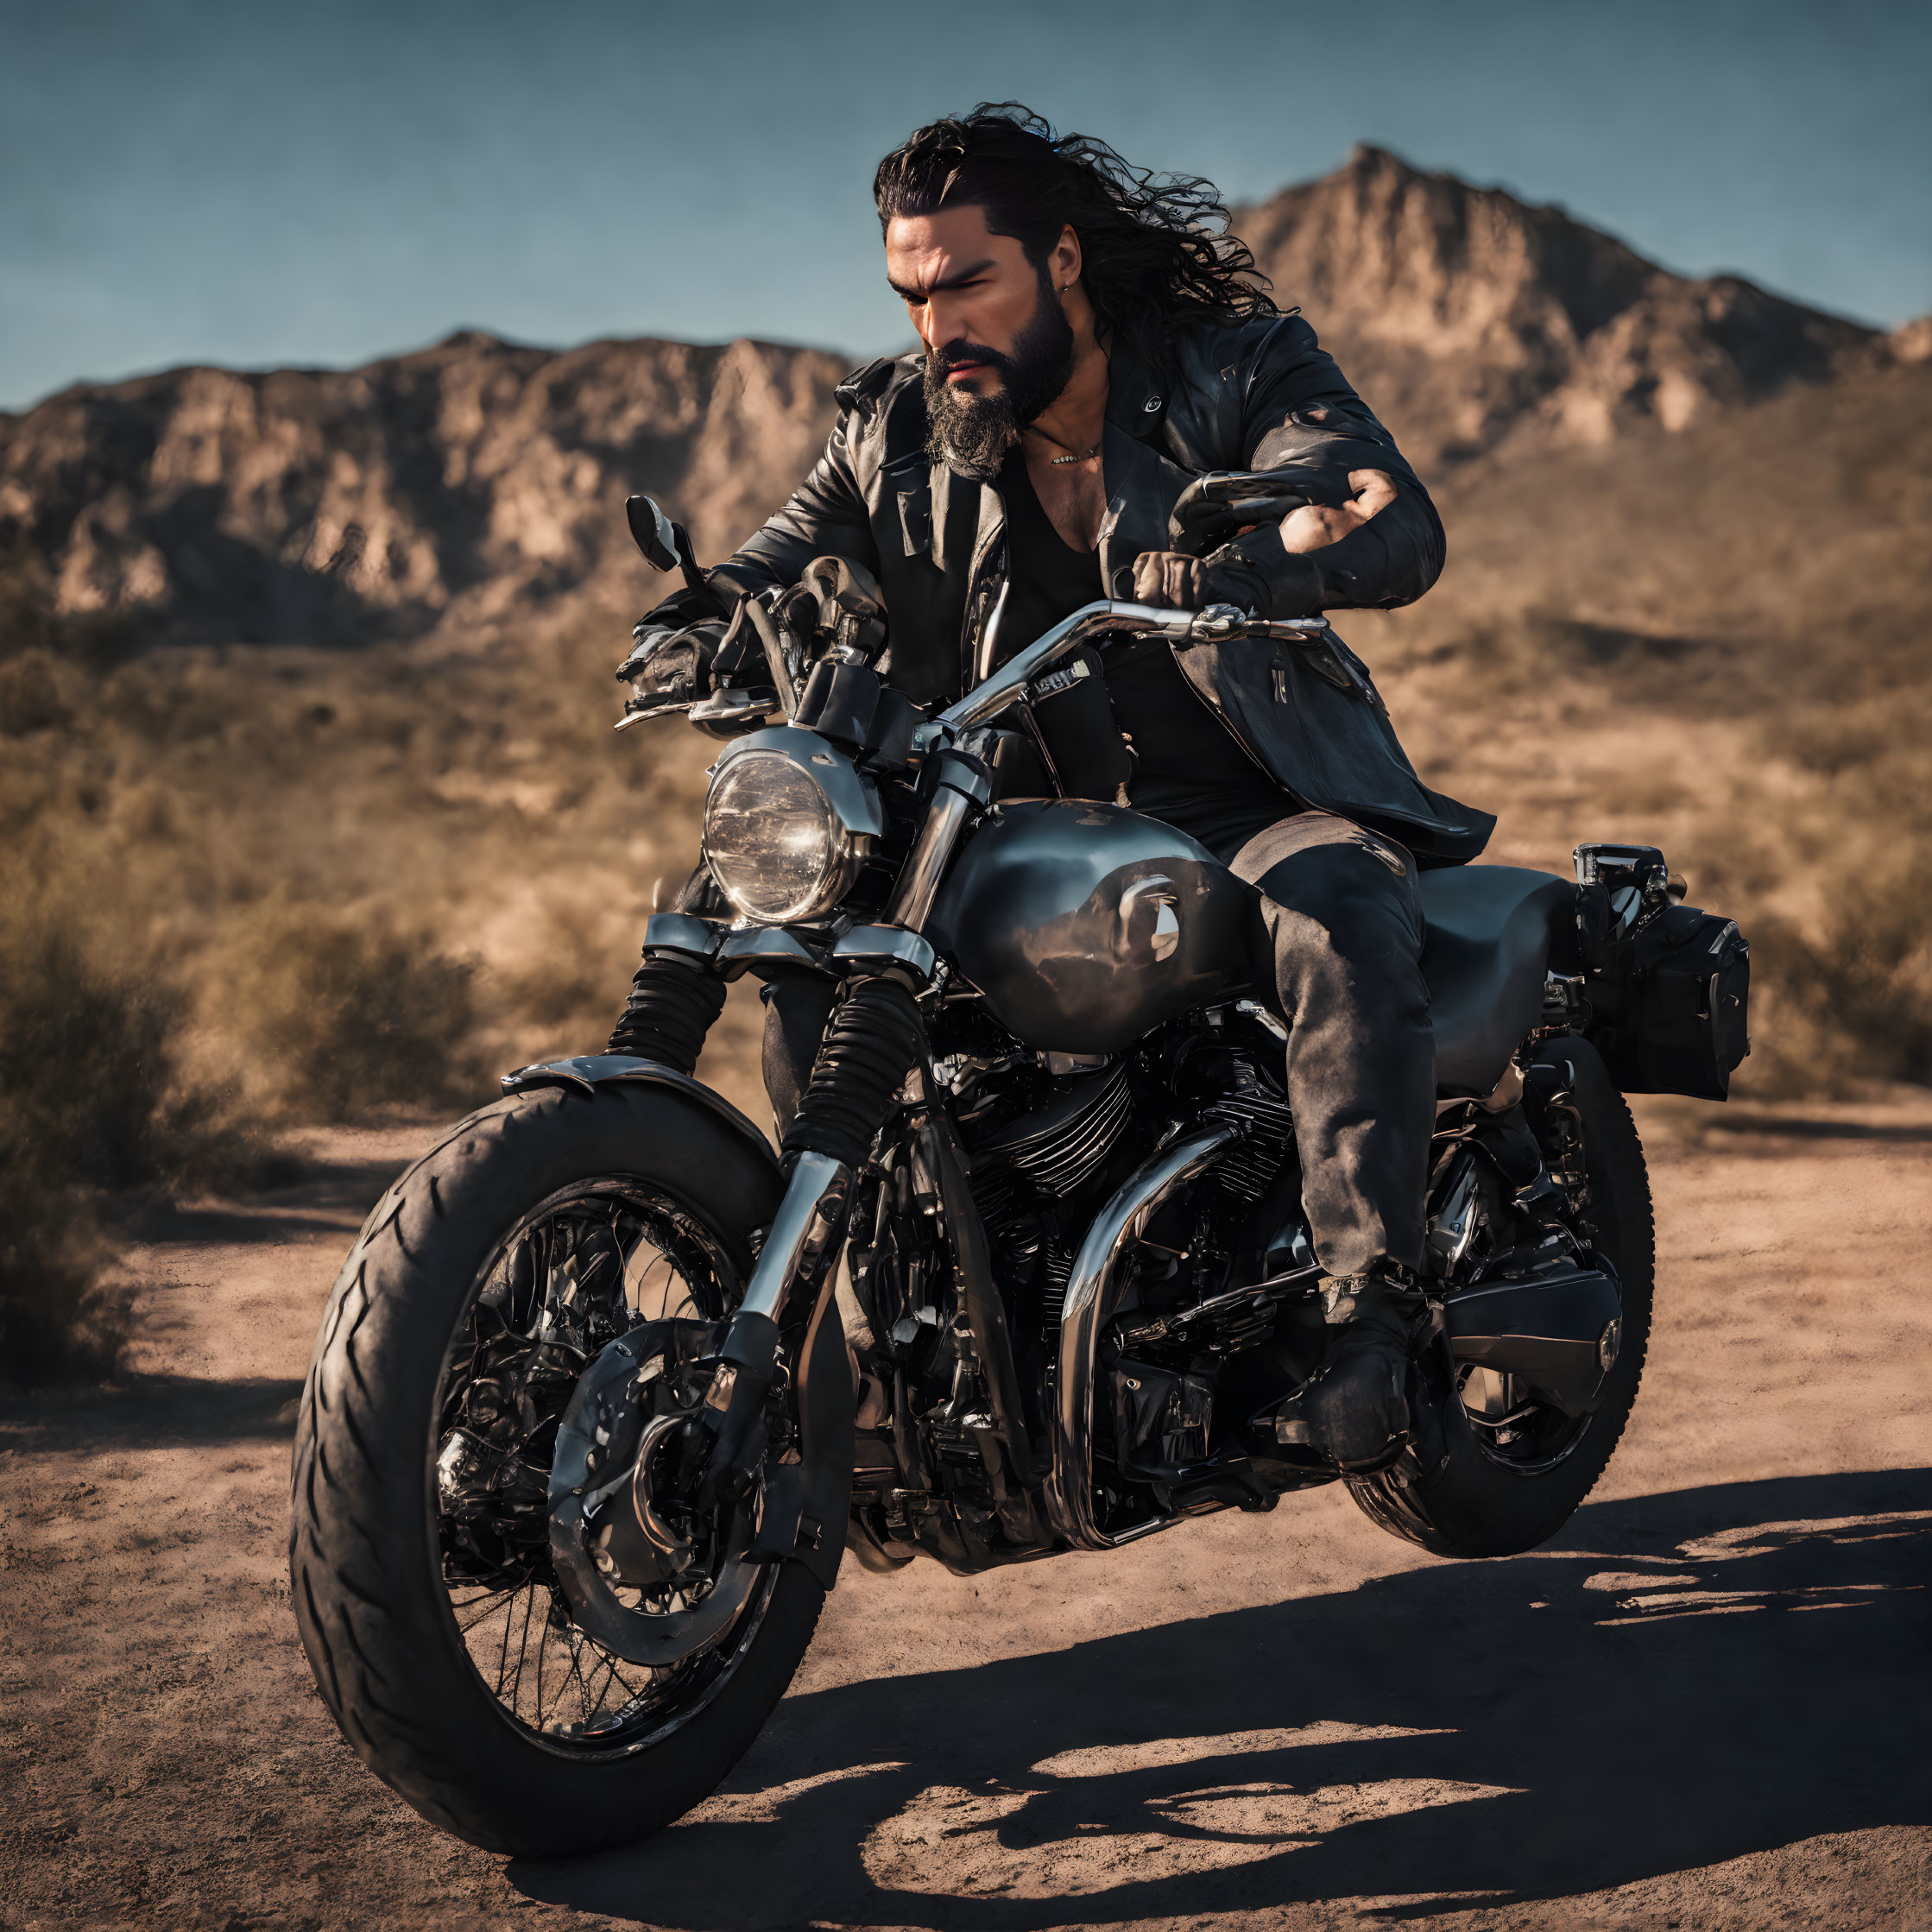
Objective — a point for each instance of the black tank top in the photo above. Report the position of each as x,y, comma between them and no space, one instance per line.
1180,763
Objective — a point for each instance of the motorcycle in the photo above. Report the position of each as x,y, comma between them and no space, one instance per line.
606,1388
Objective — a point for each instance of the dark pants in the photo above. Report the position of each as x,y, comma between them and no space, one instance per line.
1339,929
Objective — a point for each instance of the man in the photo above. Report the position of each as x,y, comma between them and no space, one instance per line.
1091,343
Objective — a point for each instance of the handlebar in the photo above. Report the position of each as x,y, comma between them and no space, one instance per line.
1218,623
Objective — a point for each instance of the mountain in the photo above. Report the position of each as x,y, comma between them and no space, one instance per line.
450,489
1471,319
469,486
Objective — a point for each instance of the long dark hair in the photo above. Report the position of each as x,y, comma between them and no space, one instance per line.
1155,250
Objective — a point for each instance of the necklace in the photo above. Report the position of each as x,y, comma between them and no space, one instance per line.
1072,456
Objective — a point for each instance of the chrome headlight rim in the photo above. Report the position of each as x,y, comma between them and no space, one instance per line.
852,819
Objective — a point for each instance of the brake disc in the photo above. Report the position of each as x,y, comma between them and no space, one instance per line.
614,1499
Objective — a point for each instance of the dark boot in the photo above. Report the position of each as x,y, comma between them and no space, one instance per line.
1354,1409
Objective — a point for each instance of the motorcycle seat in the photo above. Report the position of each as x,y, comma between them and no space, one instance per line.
1484,957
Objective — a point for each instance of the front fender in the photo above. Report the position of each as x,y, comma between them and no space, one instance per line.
589,1071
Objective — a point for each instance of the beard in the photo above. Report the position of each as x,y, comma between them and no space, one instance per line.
973,434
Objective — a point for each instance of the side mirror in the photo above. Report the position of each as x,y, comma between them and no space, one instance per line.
656,536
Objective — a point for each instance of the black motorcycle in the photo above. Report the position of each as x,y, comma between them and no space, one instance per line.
606,1388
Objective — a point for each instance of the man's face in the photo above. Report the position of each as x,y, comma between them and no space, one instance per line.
999,348
964,289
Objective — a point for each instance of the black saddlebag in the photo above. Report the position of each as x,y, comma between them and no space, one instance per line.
1670,1005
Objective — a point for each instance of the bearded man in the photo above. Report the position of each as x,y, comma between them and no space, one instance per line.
1091,342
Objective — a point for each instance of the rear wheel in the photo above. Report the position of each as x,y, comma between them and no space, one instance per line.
1517,1469
459,1663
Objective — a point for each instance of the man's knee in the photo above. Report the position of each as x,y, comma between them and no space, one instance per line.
1333,900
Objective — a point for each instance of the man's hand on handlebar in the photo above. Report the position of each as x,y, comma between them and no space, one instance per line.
1266,569
1316,526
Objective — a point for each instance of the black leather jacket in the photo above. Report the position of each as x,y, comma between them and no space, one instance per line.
1251,395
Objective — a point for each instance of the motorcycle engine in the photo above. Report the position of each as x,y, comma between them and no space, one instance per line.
1040,1145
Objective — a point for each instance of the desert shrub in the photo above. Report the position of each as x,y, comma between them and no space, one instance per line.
90,1070
1856,1000
92,1098
349,1012
57,1320
85,1056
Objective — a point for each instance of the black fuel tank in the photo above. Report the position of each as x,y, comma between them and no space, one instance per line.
1086,924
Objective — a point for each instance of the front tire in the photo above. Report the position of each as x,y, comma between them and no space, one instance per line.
378,1572
1477,1502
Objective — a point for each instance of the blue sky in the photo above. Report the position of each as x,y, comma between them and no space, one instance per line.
260,185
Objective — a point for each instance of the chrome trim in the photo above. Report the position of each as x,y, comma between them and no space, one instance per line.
854,797
1258,1013
680,932
1218,623
887,945
1009,682
808,1212
675,1549
857,821
759,949
1087,1308
919,882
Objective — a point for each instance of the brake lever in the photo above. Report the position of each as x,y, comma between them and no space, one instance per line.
772,635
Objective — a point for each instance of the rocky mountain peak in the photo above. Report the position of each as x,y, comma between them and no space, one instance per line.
464,486
1470,319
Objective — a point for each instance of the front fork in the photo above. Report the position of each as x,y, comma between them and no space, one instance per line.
847,1100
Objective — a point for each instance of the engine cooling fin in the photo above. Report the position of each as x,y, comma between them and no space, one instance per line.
1264,1124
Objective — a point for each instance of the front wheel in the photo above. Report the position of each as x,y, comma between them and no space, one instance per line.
1516,1469
529,1711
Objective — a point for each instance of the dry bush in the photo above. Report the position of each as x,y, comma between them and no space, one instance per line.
57,1321
92,1099
345,1013
89,1064
1857,1001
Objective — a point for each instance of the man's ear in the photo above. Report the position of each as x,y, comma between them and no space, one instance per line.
1064,262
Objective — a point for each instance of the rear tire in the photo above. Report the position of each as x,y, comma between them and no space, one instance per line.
365,1558
1476,1505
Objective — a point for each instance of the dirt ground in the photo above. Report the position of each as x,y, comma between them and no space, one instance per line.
1704,1706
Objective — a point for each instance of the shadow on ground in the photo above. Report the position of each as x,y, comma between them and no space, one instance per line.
139,1411
327,1194
1680,1680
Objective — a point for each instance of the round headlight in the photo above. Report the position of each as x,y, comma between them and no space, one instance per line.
773,841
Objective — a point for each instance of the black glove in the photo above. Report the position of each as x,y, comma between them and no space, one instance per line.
835,600
672,665
1258,572
1224,503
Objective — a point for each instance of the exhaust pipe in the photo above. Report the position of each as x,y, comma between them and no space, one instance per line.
1557,1328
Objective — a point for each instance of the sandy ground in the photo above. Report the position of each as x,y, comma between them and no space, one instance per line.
1705,1706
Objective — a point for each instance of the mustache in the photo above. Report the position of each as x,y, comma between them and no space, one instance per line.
948,356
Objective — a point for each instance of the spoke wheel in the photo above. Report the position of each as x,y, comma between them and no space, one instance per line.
505,1284
587,1265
